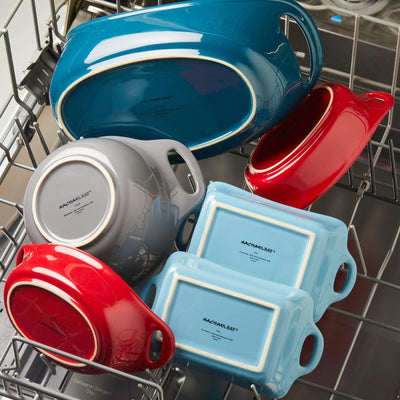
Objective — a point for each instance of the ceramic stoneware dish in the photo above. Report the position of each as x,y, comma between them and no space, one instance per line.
302,157
64,298
183,71
245,329
271,241
115,198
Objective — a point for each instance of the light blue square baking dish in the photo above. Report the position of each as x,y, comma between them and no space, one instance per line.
274,242
244,329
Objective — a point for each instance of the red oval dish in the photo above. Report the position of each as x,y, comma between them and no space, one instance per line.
301,158
67,299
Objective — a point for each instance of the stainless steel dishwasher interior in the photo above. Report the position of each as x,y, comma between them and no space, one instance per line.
362,333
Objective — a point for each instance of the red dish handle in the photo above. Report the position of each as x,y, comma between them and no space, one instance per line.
384,101
24,252
167,347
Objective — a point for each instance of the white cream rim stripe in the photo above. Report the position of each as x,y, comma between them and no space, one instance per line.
155,57
59,293
225,360
57,240
282,161
237,210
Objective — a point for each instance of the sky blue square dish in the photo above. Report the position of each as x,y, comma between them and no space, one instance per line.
271,241
245,329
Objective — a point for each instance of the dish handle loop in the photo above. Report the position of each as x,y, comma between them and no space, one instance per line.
310,31
167,345
316,353
159,151
188,203
350,279
382,104
24,252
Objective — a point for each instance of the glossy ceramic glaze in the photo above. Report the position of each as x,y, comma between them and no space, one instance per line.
245,329
67,299
274,242
183,71
301,158
115,198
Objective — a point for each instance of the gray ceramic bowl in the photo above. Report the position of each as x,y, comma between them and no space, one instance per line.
115,198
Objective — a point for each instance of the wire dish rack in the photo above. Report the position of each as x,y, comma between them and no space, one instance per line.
362,333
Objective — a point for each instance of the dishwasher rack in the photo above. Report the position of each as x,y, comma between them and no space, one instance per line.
369,190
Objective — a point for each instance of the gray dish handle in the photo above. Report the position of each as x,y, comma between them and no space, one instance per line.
159,150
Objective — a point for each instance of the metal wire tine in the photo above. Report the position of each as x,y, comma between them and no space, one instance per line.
41,138
11,161
93,364
151,375
255,391
389,254
38,396
371,172
16,357
360,193
6,385
144,391
19,388
365,310
393,93
353,231
26,143
11,15
54,21
350,176
227,391
113,6
364,319
381,282
287,26
36,24
118,3
394,174
329,390
354,51
12,76
50,36
62,137
32,386
18,207
191,181
8,235
49,364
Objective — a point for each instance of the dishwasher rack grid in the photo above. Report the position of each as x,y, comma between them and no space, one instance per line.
24,141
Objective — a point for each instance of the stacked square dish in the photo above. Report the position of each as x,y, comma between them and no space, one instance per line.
257,277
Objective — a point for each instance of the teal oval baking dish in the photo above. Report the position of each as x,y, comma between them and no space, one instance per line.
210,74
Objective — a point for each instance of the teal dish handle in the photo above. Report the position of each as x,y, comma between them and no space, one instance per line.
310,31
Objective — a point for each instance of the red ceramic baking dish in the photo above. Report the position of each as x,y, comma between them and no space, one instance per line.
301,158
67,299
